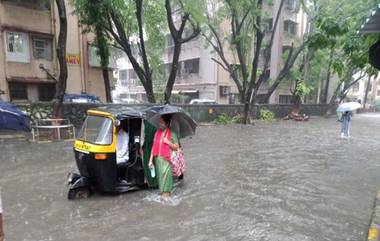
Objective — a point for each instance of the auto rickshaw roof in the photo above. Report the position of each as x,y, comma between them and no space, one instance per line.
121,111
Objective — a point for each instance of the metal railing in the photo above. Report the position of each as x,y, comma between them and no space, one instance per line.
55,125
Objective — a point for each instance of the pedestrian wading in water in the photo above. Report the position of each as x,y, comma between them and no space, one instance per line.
165,141
345,124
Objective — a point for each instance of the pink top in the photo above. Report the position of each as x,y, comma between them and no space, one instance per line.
159,147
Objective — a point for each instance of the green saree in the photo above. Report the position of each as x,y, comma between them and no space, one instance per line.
164,171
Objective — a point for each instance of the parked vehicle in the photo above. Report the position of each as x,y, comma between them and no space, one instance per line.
81,98
202,102
130,101
95,153
96,146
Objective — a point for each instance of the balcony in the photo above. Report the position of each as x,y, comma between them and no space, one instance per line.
32,4
17,16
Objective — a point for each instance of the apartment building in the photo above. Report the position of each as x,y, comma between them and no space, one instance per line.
291,28
357,91
199,77
28,63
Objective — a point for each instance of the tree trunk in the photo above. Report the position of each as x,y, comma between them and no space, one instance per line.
173,73
118,31
296,101
107,85
366,92
326,89
247,108
61,55
176,34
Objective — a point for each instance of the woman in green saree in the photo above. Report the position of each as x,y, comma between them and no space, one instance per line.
165,141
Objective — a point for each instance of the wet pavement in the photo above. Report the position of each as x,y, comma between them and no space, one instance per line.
273,181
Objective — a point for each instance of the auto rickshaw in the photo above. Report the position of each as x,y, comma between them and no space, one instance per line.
95,153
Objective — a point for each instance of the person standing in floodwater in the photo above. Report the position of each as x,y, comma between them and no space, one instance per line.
345,124
165,141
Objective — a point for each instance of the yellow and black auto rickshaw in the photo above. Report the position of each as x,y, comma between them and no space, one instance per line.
95,153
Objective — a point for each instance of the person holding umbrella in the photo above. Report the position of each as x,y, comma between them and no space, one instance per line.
172,123
165,141
346,110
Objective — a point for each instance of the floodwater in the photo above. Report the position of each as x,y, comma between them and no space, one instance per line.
272,181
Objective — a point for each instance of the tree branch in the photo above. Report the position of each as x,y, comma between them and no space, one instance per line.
169,18
141,36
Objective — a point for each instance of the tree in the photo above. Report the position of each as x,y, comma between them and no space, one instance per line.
179,40
137,27
246,26
347,50
61,55
93,10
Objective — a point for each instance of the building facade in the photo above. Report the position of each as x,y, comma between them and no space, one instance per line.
357,91
28,63
199,77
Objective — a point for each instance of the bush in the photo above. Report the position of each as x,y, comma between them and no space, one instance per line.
266,115
377,105
223,119
238,119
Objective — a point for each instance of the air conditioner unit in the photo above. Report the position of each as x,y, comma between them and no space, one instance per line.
224,90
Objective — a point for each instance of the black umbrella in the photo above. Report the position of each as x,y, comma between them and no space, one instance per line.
374,55
181,122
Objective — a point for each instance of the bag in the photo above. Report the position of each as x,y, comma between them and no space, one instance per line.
177,162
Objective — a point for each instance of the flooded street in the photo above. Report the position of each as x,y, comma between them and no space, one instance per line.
272,181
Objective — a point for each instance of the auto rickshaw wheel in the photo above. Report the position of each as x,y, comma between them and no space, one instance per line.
79,193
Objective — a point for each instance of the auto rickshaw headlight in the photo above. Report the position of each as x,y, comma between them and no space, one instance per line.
100,156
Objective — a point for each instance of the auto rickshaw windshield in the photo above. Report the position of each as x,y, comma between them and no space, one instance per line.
96,130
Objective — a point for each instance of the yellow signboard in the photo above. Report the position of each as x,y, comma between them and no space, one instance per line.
73,59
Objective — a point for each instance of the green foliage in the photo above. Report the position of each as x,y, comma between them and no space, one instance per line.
377,105
238,119
302,89
266,115
336,30
116,22
223,119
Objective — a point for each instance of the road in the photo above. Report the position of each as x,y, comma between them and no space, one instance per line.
273,181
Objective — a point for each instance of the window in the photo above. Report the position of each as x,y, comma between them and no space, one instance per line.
18,91
123,74
291,5
42,48
356,86
260,98
267,53
188,33
285,99
132,74
46,92
269,24
192,66
169,44
17,47
290,27
97,130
